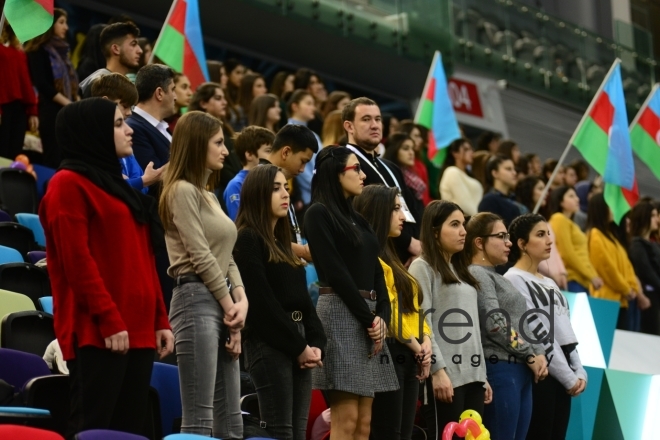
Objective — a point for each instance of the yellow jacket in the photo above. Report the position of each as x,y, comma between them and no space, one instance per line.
409,321
572,246
613,265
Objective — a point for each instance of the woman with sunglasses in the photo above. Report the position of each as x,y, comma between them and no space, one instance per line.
353,305
512,361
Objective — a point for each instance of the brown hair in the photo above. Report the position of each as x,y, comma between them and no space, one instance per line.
376,204
277,85
479,161
640,219
479,226
115,86
435,215
333,128
258,114
37,42
256,212
348,113
245,96
250,140
330,104
295,98
188,153
214,67
506,149
204,93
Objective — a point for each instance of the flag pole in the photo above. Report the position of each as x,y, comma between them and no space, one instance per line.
160,34
643,107
436,59
570,141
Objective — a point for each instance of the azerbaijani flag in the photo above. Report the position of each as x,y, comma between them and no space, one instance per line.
180,44
603,140
436,113
645,132
29,18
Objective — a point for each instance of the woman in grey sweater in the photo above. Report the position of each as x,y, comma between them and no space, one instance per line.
551,324
505,334
458,380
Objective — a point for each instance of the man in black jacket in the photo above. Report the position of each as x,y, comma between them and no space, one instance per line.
364,127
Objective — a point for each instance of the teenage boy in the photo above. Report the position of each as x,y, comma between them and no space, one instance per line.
251,144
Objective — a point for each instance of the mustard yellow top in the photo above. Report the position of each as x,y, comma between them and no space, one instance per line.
572,246
613,265
410,327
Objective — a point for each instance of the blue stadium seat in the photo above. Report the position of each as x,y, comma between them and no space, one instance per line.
46,304
106,434
35,256
17,368
32,222
9,255
184,437
165,379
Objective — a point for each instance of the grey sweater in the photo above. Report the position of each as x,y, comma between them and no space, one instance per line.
463,361
496,292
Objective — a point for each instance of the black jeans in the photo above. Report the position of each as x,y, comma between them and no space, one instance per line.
12,129
108,390
551,410
439,414
283,388
393,412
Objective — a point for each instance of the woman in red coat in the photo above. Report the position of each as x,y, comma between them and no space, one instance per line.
100,238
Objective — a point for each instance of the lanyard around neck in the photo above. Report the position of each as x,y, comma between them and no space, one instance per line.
359,153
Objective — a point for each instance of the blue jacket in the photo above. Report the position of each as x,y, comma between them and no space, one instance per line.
232,194
131,168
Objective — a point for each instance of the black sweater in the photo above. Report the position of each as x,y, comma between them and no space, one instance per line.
345,267
274,290
645,258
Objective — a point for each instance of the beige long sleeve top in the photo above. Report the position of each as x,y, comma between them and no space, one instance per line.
201,238
456,186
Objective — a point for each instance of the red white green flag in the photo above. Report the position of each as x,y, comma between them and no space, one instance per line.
436,112
603,139
180,43
29,18
645,132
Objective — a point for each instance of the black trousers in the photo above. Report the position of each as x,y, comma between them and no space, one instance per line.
393,412
551,410
12,129
437,413
109,391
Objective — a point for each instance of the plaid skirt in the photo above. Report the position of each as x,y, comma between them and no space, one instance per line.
349,364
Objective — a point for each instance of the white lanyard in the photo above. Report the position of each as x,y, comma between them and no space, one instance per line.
294,223
404,206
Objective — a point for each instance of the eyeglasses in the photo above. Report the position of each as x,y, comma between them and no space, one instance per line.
355,167
502,236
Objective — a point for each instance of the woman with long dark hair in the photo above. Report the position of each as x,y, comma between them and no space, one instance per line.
400,149
283,336
551,398
456,184
409,338
101,236
353,305
265,112
514,363
501,179
252,86
571,241
209,300
528,193
54,78
448,285
645,257
610,259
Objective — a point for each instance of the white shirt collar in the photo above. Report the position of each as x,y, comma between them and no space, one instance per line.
160,125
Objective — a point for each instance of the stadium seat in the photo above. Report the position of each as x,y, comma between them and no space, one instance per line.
32,222
17,237
106,434
26,432
186,437
165,380
46,304
11,302
30,332
17,368
10,255
18,191
35,256
26,279
4,217
50,393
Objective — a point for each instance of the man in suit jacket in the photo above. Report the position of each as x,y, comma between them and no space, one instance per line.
156,99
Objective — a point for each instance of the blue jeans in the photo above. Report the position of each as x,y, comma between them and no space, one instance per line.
283,388
634,316
507,417
209,378
575,287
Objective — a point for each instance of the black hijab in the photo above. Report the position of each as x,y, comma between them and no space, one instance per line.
85,134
